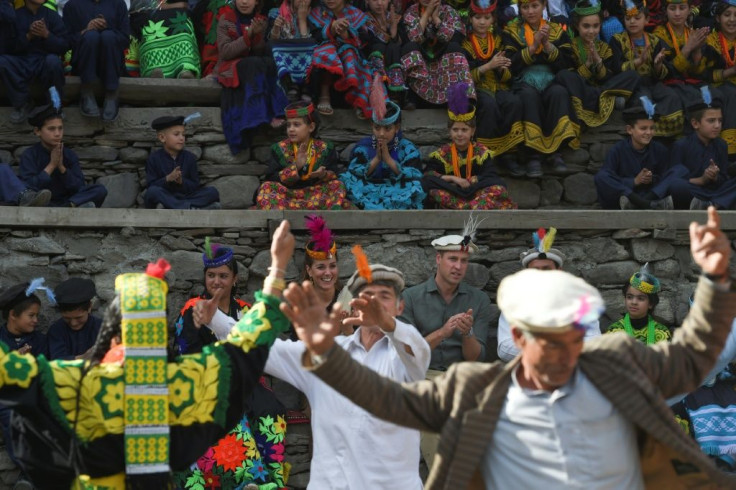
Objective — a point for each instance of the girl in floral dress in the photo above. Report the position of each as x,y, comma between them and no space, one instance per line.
460,175
302,171
432,58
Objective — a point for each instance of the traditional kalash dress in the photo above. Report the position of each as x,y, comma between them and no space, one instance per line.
623,163
289,186
292,50
720,53
166,40
499,112
686,75
548,116
250,96
382,187
432,58
625,51
694,156
342,57
593,88
252,452
384,53
647,329
475,164
147,417
206,15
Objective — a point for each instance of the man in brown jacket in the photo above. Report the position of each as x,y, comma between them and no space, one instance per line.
562,414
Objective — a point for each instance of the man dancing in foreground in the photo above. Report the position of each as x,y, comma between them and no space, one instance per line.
563,414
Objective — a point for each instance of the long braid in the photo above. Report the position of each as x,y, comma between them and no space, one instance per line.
110,329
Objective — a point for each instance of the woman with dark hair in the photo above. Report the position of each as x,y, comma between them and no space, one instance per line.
220,279
640,299
128,425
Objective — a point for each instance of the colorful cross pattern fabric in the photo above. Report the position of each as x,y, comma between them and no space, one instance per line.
146,414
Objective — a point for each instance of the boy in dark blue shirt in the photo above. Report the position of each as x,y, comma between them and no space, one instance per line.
100,33
172,174
49,165
76,331
705,156
41,38
14,192
635,174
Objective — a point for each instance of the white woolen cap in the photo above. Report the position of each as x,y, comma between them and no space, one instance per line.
548,301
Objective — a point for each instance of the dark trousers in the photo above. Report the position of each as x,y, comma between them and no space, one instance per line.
17,73
10,185
95,193
97,55
204,196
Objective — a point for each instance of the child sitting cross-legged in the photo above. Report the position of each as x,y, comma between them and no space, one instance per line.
171,171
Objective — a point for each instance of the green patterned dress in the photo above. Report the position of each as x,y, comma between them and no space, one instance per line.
650,332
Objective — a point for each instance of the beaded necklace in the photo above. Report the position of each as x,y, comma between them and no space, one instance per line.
730,61
311,157
478,48
529,35
675,42
650,328
468,161
633,46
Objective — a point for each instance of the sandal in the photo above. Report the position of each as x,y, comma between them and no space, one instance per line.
324,107
359,114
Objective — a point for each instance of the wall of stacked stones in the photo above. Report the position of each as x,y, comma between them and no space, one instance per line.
115,154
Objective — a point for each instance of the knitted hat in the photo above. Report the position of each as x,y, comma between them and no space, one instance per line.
645,281
379,272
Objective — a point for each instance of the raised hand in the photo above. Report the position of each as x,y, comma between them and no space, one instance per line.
282,246
307,314
369,312
205,309
709,246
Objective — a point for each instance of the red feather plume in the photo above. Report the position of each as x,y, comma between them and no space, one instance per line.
377,98
320,234
540,233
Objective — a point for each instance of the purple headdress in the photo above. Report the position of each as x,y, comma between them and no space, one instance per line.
459,106
210,256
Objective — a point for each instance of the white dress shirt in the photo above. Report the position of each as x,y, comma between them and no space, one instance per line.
352,448
572,437
507,350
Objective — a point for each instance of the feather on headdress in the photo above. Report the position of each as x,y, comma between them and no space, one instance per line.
543,240
362,264
378,98
707,97
644,281
191,117
470,229
648,106
37,285
321,244
210,257
55,98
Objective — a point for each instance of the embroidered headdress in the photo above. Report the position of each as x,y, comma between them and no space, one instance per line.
587,7
459,106
644,281
483,7
460,243
321,244
299,109
543,241
634,7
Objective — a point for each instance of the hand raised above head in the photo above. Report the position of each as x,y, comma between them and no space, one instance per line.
709,246
282,246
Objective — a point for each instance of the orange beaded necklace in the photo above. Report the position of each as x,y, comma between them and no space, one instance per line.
478,49
468,161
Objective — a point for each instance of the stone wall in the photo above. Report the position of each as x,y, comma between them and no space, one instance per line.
115,154
604,257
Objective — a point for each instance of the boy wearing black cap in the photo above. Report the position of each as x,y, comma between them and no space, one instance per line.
48,165
76,331
171,171
634,175
703,156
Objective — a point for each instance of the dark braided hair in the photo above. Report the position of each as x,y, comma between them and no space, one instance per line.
109,330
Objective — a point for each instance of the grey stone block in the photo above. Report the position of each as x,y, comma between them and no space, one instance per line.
221,154
236,191
133,155
96,153
647,249
580,189
524,193
122,190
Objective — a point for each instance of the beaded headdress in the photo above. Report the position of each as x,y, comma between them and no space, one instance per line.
459,106
587,7
212,258
482,7
644,281
633,7
298,109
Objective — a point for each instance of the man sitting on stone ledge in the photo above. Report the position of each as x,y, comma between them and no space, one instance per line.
49,165
564,413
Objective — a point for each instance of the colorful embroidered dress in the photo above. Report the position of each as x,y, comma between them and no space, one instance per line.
499,113
719,54
432,58
384,189
646,330
292,52
487,189
288,187
384,53
251,95
342,57
549,120
668,103
207,16
206,395
167,42
593,89
189,339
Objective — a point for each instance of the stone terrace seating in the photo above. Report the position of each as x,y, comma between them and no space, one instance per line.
115,154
